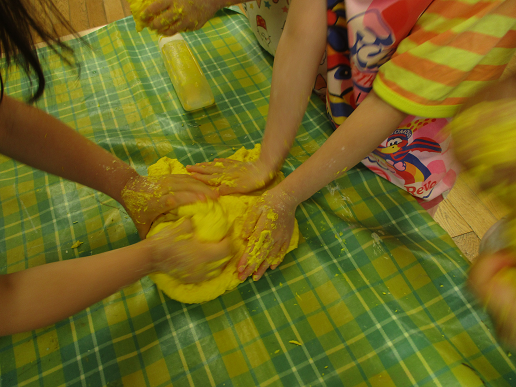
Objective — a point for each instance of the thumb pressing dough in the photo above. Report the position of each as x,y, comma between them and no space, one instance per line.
212,221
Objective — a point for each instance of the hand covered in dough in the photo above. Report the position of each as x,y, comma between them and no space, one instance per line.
168,17
176,251
268,228
147,197
232,176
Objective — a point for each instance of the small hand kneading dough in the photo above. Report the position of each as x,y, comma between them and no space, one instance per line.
212,221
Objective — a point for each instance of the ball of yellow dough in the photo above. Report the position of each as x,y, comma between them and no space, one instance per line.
212,221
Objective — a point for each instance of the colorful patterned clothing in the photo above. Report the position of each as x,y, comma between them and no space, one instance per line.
267,19
424,64
427,66
456,48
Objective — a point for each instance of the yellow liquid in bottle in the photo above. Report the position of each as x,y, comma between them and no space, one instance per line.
189,82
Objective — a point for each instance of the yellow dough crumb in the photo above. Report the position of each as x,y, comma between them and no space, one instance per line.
77,244
295,342
212,221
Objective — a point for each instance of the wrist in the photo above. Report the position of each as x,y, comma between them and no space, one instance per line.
124,178
268,168
147,252
287,195
265,171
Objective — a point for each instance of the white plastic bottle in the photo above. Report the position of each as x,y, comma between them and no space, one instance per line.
189,82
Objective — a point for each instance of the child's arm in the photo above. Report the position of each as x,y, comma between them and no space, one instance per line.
29,135
300,50
45,294
363,130
371,123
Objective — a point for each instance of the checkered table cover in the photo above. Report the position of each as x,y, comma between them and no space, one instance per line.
375,293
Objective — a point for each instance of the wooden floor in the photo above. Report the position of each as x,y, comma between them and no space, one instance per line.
465,214
86,14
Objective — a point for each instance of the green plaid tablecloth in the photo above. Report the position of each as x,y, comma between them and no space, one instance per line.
375,293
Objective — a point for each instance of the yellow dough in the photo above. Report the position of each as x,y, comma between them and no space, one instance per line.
212,221
137,8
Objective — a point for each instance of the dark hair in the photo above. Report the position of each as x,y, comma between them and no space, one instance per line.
20,22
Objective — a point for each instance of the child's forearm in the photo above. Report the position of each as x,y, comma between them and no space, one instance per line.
43,295
31,136
300,50
371,123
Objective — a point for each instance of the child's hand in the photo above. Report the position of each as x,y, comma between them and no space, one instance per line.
268,228
145,198
176,251
232,176
493,280
168,17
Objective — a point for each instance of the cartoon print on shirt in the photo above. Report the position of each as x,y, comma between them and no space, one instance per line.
261,27
371,38
398,156
416,156
340,101
372,42
320,84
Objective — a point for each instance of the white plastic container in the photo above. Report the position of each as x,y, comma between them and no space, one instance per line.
495,238
189,82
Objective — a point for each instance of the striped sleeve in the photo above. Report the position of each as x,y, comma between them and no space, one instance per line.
456,48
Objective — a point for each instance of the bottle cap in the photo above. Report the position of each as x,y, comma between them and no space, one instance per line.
165,39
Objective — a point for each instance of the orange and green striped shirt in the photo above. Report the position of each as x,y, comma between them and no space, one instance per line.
456,48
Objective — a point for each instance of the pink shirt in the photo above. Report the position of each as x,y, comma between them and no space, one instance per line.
362,36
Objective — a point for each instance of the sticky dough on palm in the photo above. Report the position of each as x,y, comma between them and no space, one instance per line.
488,145
212,221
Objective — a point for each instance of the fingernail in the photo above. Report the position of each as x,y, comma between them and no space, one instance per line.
241,269
255,278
